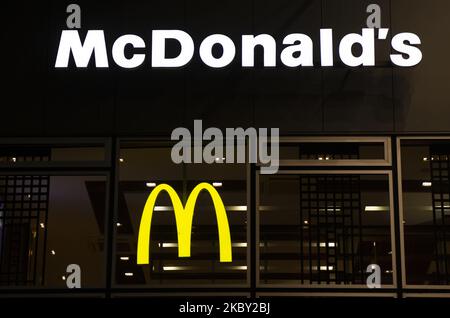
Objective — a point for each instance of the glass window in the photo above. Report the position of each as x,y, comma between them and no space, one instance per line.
425,168
47,223
143,167
324,228
32,154
332,151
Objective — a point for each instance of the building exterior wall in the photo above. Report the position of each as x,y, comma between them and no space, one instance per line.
83,145
116,102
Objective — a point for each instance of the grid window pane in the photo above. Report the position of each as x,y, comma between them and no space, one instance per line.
48,223
324,228
426,210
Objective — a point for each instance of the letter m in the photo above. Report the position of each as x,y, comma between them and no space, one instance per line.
183,219
93,43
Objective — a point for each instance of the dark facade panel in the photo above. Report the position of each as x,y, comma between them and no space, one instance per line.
421,93
220,97
81,104
288,98
23,58
149,105
40,100
357,99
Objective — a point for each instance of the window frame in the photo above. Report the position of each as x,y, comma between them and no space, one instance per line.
97,291
150,287
59,141
387,161
408,287
324,286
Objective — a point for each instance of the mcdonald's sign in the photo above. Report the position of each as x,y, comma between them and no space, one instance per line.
183,219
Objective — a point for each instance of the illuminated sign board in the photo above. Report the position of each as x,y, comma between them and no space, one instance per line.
297,49
183,219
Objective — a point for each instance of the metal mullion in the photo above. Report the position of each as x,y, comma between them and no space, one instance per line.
444,215
309,230
31,257
318,233
15,230
352,236
5,265
327,250
396,216
32,260
53,169
38,220
301,229
12,227
336,248
3,227
32,218
358,179
344,231
21,221
436,240
111,214
444,236
44,248
34,240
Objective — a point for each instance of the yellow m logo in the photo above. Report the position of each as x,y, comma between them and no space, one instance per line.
183,219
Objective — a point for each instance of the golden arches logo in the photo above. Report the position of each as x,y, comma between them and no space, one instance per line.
183,220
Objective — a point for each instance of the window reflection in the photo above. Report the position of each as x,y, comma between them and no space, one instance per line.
324,228
14,155
426,210
47,223
142,168
332,151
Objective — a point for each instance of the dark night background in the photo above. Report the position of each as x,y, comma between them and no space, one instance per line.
38,100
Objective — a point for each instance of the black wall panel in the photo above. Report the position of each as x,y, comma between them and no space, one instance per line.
421,93
39,100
